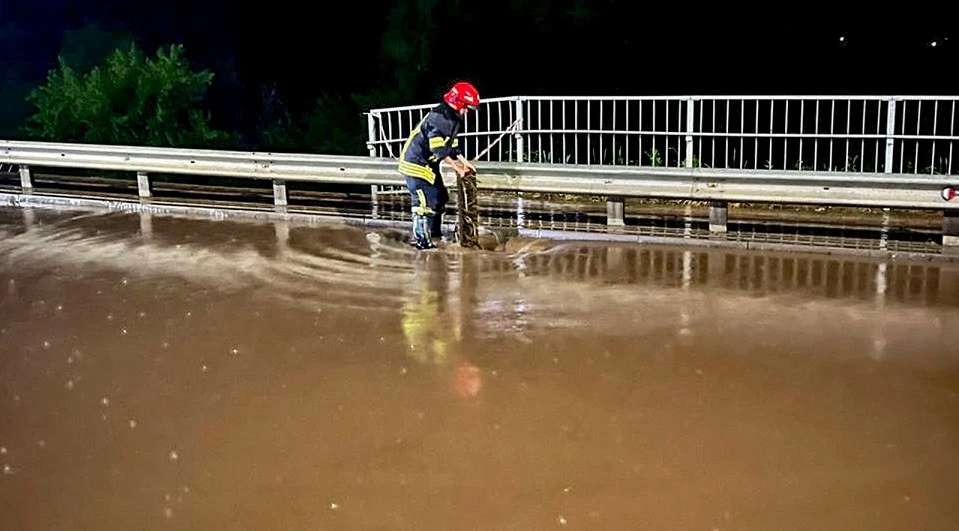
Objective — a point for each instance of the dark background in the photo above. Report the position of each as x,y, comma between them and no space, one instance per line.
271,58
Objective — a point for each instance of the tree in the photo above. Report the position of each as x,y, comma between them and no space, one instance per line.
128,99
334,126
14,78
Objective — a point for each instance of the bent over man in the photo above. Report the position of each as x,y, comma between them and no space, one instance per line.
432,141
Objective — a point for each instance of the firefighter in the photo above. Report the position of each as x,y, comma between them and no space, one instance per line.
432,141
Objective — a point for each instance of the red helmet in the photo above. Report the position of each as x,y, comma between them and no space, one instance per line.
462,94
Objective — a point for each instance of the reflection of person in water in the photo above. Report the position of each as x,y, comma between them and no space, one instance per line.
433,332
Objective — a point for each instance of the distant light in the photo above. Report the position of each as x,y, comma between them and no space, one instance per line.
933,44
842,38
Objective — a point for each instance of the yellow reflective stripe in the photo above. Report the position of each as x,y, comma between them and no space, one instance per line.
437,142
415,170
423,209
409,139
456,142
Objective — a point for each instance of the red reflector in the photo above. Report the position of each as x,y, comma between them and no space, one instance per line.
949,193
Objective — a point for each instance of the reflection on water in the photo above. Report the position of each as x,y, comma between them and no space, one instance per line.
194,374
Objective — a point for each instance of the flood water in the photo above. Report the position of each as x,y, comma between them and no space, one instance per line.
169,373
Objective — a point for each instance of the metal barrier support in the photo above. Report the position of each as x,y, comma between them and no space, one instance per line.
615,211
143,184
26,183
279,193
718,213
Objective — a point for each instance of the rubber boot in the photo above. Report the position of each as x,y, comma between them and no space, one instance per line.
421,231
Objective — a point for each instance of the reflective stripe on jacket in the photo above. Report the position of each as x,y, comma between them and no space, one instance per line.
431,141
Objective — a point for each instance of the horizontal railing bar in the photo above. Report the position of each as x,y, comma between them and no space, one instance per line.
651,132
431,105
698,98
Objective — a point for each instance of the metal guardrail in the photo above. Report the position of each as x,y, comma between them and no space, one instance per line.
848,134
717,186
803,187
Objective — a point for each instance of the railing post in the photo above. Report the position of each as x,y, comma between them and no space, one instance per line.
615,211
890,131
518,135
371,134
143,184
279,193
690,124
26,183
371,137
718,216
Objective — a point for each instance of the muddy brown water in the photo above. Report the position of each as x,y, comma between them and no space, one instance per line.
168,373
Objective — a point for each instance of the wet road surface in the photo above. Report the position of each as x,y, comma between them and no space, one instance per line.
165,373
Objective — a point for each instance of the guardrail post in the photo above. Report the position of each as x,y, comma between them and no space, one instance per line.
26,183
690,125
371,134
143,184
890,131
518,135
718,215
950,229
615,211
279,193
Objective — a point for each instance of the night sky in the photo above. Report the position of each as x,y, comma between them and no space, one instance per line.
567,47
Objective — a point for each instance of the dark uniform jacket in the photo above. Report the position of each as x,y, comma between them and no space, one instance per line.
431,141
